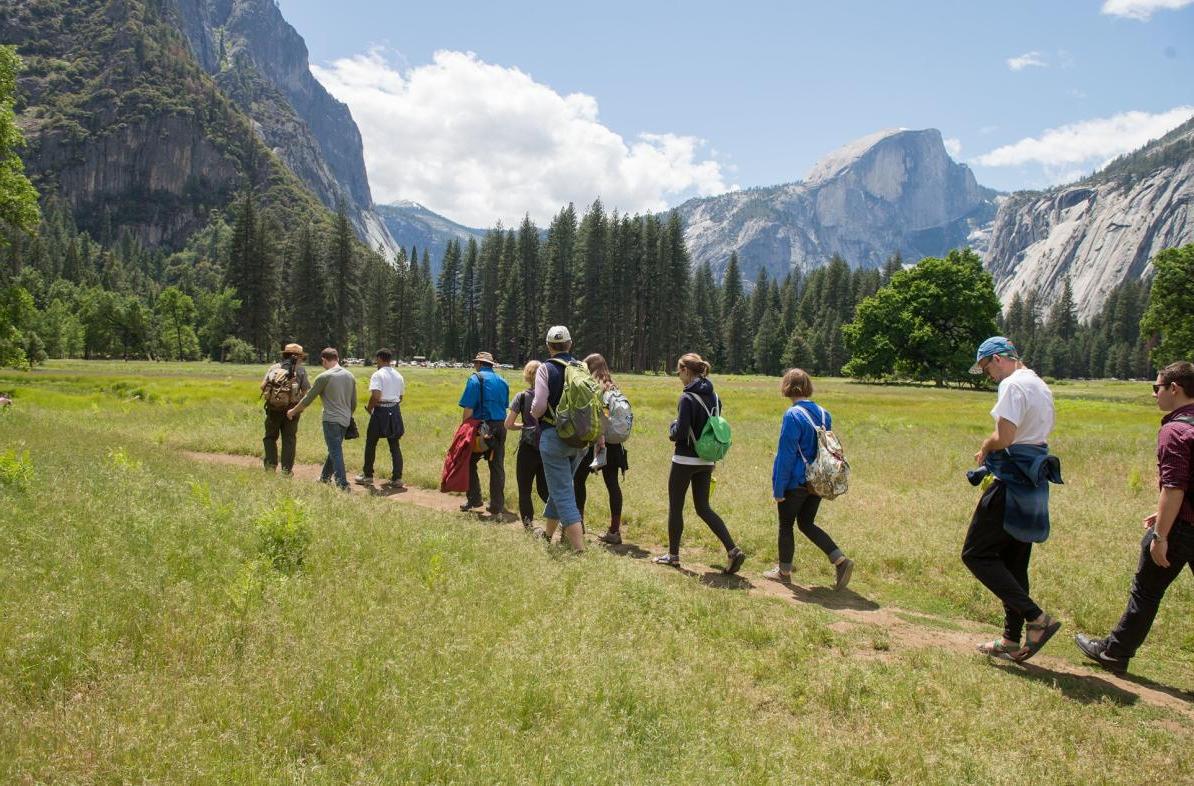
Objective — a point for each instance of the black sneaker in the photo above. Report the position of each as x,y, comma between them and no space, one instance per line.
466,507
363,480
844,570
1096,650
611,537
737,557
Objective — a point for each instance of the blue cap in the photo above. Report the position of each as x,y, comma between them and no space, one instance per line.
995,345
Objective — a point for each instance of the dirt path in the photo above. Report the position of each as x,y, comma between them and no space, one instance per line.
895,629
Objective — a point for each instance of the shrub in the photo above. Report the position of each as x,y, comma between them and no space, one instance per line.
284,536
237,351
16,470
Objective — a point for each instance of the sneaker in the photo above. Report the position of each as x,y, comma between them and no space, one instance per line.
672,560
775,574
844,570
396,484
611,537
736,557
468,506
363,480
1096,650
528,523
540,533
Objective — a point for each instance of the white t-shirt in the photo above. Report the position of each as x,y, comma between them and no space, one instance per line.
390,383
1025,400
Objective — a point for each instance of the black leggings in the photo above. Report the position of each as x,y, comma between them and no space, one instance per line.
677,486
800,508
528,469
615,462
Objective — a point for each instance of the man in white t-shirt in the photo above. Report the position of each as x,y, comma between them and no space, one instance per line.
997,550
386,389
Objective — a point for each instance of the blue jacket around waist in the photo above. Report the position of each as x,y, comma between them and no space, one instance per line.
1026,472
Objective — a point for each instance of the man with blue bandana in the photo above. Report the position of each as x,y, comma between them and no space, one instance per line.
1013,512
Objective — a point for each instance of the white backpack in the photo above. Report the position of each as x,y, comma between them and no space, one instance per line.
828,474
617,419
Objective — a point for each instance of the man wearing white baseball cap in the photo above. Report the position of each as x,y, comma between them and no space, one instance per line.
1013,512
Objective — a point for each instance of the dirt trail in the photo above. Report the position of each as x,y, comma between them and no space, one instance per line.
897,629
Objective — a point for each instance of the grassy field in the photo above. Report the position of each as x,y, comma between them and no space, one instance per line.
157,626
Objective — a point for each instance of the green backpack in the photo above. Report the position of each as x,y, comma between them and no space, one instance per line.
577,417
715,440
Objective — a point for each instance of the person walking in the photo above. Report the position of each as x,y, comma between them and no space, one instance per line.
284,385
1013,511
337,389
796,502
485,398
560,460
1168,544
528,466
697,403
386,389
607,458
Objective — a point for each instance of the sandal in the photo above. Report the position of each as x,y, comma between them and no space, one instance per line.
775,574
672,560
999,649
736,557
1047,628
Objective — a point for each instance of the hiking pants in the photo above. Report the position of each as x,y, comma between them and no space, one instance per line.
1148,587
495,457
800,508
333,435
614,462
560,462
1000,561
528,470
277,424
698,476
371,440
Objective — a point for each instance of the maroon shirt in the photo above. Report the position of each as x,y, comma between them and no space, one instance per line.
1175,457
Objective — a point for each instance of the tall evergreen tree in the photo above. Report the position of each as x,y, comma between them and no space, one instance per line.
558,257
450,302
468,300
344,280
310,311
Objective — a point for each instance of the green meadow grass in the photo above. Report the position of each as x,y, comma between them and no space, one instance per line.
168,621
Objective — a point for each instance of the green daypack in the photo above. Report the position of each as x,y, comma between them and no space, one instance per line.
715,439
577,417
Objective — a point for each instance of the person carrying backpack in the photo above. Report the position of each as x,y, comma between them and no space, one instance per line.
694,425
485,398
608,455
284,385
567,405
796,501
528,468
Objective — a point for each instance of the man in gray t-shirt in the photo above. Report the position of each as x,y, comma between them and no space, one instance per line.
337,387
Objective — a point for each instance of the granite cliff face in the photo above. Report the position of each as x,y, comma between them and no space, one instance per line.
411,224
146,116
261,63
1098,232
891,191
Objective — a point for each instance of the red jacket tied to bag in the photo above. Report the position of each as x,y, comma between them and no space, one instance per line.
455,475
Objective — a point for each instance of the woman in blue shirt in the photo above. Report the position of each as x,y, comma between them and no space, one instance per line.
797,503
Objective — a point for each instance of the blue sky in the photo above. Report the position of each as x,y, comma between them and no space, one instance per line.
487,110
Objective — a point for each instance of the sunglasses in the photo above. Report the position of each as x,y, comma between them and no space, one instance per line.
1157,388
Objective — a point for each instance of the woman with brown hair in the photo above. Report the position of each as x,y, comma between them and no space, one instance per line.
603,457
697,403
529,463
797,504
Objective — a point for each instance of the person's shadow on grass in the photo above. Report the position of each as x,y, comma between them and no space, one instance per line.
1087,689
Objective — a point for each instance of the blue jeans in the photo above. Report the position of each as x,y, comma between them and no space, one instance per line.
559,465
333,435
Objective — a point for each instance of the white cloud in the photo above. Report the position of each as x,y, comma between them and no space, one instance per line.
480,142
953,147
1087,144
1034,59
1141,9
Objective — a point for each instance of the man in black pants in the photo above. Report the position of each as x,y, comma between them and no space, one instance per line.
288,374
998,545
486,397
1168,544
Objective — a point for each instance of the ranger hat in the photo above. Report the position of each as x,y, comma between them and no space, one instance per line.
558,335
995,345
294,349
486,358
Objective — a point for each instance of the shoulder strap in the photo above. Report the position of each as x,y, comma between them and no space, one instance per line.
809,417
1187,419
699,400
481,395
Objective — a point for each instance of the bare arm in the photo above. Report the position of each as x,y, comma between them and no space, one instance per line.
510,424
374,400
1003,436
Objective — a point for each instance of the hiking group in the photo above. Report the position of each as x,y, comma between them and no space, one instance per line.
572,421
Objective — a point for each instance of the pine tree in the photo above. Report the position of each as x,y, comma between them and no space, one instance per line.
675,298
310,312
468,300
894,264
532,329
490,280
769,343
589,262
733,319
449,302
343,278
797,352
558,255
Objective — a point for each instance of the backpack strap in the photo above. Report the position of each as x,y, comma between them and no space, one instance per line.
708,413
481,395
1187,419
812,423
